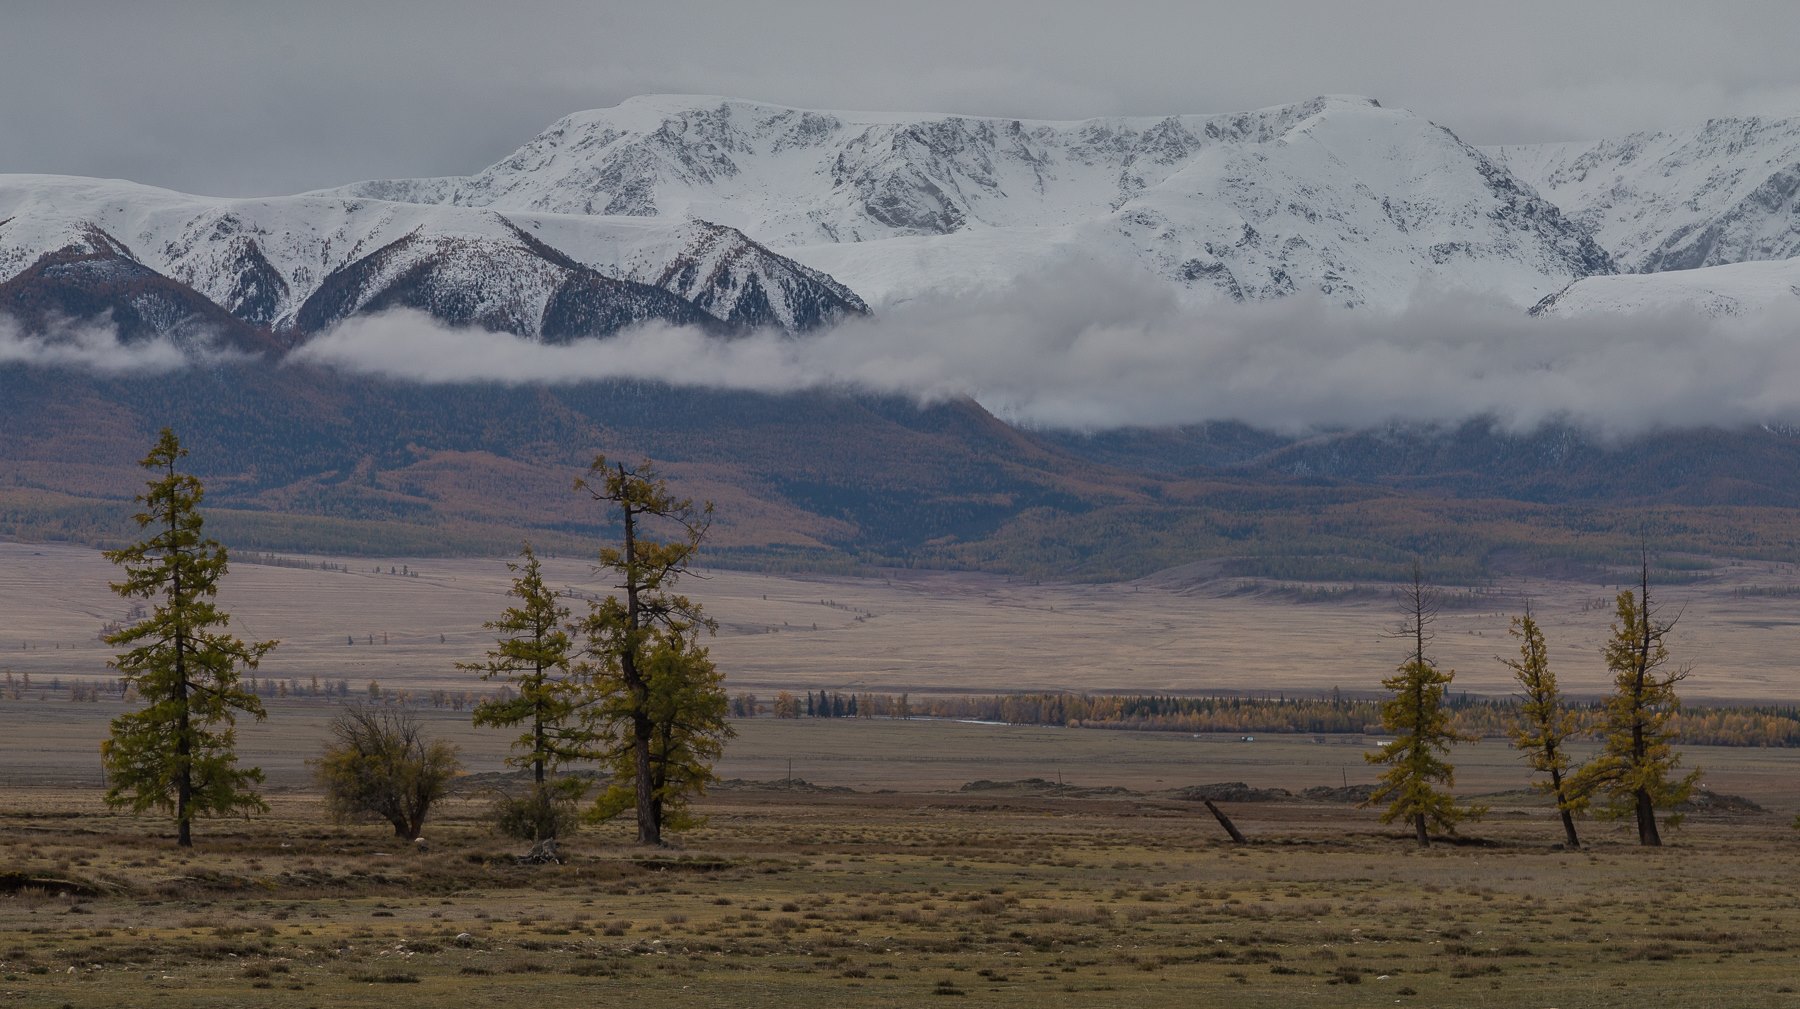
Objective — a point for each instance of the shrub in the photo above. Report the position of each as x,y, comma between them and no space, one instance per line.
383,767
545,810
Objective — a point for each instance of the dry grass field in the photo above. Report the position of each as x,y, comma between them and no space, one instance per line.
52,745
1076,874
1107,891
926,632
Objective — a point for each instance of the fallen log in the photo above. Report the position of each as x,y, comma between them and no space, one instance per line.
1237,836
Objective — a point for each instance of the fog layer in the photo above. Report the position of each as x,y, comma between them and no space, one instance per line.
1077,350
93,347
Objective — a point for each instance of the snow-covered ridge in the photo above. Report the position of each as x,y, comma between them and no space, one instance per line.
1337,196
262,260
1734,289
1703,219
1723,192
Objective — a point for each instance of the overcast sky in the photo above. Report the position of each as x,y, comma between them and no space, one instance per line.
253,97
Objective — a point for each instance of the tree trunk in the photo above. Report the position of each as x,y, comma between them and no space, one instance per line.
1568,818
649,824
184,773
1237,836
1640,751
184,744
1419,827
1646,817
538,739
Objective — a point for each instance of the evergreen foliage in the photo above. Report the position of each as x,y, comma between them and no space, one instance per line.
1635,769
687,708
1545,724
1415,785
178,753
533,656
658,705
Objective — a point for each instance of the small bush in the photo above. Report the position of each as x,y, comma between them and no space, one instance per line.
547,810
383,767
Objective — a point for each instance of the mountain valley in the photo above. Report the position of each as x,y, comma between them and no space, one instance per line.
730,217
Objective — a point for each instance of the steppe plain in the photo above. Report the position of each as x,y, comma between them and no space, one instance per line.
917,860
1187,631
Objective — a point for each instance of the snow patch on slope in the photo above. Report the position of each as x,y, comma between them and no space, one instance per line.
1713,292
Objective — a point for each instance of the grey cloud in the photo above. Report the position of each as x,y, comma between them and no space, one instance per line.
1082,351
89,347
262,97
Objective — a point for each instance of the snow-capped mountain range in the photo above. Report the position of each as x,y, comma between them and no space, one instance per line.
730,215
1337,196
296,265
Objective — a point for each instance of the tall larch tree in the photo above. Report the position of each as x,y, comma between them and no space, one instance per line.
532,655
1636,768
1545,722
688,709
659,705
178,753
1415,785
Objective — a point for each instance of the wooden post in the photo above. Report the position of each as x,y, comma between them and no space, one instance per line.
1237,836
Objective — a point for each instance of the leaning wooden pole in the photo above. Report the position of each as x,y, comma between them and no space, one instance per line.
1237,836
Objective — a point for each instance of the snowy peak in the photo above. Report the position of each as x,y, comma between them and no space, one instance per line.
1720,193
502,282
296,264
727,274
36,223
1337,196
884,174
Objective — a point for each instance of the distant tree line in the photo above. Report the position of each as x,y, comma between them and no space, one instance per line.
1772,725
1766,725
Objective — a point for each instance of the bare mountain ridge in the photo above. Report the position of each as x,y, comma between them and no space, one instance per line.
95,276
